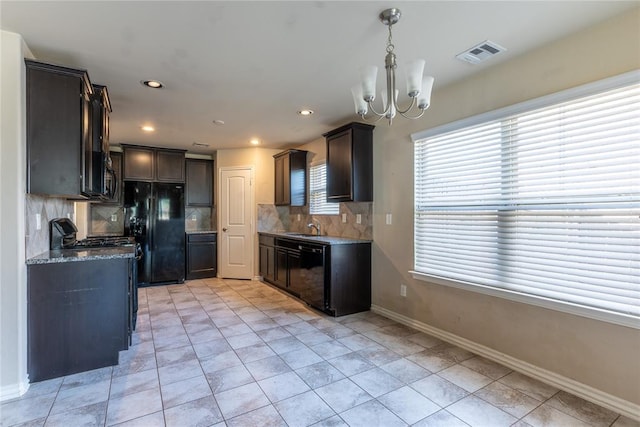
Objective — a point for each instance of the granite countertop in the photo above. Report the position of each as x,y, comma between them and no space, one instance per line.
201,231
72,255
328,240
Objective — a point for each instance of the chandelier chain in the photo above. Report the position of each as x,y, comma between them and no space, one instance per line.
390,45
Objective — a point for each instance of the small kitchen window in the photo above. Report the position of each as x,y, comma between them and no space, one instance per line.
318,192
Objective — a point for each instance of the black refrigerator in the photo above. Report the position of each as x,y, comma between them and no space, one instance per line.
154,215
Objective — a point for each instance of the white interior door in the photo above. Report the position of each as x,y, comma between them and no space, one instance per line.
236,223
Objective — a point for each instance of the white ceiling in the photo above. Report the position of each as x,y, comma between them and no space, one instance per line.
255,64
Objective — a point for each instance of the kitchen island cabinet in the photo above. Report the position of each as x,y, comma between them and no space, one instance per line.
79,310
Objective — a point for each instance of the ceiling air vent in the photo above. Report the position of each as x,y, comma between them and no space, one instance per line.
481,52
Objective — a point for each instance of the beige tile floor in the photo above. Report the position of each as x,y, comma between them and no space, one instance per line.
239,353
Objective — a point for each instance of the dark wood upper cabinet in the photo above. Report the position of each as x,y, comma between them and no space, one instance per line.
199,182
58,130
291,178
170,165
138,163
152,164
350,163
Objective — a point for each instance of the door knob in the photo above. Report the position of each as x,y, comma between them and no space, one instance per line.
224,229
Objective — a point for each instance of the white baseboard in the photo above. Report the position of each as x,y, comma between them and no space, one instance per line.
13,391
616,404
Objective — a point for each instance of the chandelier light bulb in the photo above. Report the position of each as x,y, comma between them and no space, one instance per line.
424,99
413,71
358,100
369,75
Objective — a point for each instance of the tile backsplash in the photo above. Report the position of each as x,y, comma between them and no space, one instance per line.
199,219
37,241
284,218
106,220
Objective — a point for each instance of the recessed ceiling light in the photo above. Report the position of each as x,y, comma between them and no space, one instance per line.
305,112
154,84
148,128
255,141
218,122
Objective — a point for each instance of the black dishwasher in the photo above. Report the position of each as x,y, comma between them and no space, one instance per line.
309,282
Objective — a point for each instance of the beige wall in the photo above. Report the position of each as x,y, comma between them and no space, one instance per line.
261,160
601,355
13,274
317,150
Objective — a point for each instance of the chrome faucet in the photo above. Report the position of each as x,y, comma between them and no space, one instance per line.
315,224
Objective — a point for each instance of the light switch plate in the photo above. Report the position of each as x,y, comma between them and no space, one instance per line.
388,219
358,219
344,217
38,222
298,217
194,218
114,217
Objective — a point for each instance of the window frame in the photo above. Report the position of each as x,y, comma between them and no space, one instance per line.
324,204
523,107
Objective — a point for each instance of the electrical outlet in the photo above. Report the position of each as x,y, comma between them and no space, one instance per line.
344,217
194,217
298,217
388,219
358,219
114,218
403,290
38,222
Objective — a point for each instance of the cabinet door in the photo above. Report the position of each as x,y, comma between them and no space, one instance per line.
169,166
267,263
281,278
282,180
199,183
56,129
201,260
339,171
139,163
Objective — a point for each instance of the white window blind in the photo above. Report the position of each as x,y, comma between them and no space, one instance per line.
318,192
543,203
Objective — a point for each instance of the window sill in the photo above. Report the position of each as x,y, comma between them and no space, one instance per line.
565,307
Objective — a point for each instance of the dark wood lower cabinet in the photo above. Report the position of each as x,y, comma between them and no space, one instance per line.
267,259
334,278
202,253
79,316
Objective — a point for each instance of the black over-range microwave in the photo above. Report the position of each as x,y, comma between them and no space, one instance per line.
100,180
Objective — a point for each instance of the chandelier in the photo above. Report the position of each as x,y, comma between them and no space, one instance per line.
418,87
